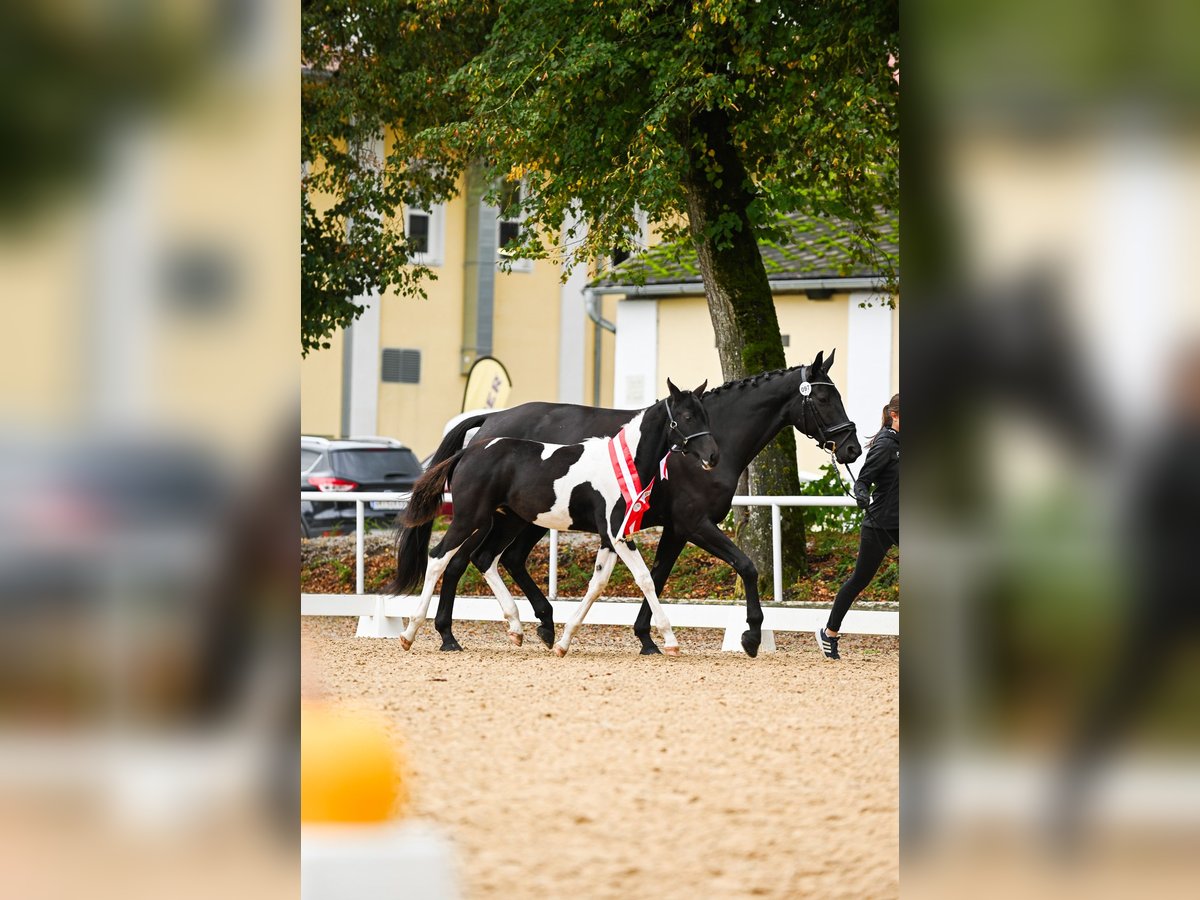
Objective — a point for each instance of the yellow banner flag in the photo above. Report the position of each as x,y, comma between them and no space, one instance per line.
488,385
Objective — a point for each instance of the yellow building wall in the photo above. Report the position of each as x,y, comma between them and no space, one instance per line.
687,351
321,390
525,330
416,413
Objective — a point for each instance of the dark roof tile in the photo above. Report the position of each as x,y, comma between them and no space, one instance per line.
817,248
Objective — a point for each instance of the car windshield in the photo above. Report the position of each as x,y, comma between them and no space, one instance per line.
373,464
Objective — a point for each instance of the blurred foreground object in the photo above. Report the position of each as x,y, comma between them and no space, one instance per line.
1049,734
349,770
354,792
148,714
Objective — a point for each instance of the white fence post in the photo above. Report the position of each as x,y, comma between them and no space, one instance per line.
553,586
358,546
777,550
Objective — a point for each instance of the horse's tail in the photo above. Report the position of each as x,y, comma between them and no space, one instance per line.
412,545
452,441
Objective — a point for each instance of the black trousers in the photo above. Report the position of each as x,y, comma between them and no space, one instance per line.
873,545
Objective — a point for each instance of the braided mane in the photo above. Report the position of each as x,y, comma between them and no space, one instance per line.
751,380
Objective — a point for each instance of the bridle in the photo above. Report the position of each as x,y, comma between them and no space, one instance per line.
674,426
825,434
824,441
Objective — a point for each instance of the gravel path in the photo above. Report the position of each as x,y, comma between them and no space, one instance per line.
607,774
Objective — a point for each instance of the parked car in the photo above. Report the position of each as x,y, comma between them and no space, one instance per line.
346,465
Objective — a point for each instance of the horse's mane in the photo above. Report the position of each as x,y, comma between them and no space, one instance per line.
751,380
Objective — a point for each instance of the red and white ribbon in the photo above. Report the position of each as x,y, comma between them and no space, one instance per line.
637,498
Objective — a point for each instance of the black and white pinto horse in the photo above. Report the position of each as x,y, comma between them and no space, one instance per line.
591,486
745,416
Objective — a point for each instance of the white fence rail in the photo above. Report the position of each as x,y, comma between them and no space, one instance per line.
378,612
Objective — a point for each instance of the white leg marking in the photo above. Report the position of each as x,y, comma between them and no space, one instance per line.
605,561
507,604
633,559
432,574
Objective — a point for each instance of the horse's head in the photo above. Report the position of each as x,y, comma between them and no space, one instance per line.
817,411
687,425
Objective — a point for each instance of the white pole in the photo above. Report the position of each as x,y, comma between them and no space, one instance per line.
358,546
553,564
777,550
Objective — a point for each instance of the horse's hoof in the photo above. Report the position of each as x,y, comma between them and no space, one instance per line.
650,649
405,643
560,651
546,633
671,651
750,643
451,645
516,638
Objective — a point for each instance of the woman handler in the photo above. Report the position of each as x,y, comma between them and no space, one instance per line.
881,524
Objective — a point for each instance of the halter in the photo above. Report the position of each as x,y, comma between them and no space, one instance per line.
674,426
824,434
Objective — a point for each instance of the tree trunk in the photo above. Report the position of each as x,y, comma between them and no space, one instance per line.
743,316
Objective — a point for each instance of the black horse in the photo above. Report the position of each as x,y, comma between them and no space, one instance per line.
591,486
745,415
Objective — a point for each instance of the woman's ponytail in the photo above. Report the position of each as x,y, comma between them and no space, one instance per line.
890,409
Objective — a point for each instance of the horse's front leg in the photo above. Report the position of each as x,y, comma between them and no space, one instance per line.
513,559
486,558
630,556
670,545
708,536
605,560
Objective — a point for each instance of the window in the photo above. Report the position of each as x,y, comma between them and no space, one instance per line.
424,227
418,229
307,458
510,228
511,225
401,366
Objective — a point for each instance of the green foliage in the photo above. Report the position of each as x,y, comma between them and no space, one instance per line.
602,108
839,519
599,107
373,68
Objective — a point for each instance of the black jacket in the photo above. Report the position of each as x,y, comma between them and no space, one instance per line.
882,470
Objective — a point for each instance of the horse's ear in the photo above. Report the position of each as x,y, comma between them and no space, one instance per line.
829,362
700,390
671,387
819,362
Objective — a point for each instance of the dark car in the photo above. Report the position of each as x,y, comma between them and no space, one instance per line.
353,464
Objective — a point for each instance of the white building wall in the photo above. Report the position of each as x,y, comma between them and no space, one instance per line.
869,361
635,366
362,372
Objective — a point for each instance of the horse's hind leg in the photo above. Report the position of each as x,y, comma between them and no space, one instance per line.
605,560
513,559
450,578
453,575
630,556
439,559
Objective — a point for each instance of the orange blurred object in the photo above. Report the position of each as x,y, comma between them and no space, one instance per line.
349,770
